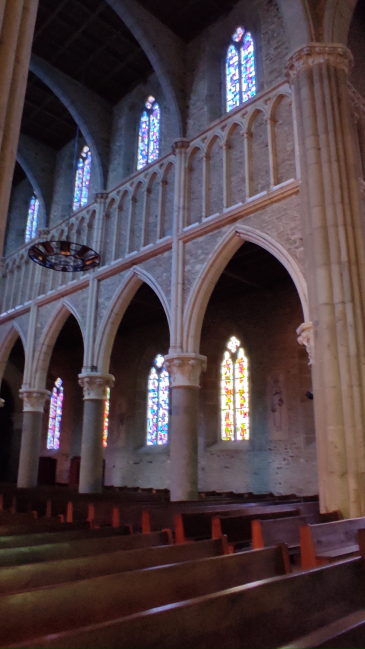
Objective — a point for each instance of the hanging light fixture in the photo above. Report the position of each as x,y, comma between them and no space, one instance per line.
65,256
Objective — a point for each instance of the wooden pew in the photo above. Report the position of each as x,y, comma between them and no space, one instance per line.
284,530
327,542
81,548
346,633
70,532
261,615
52,609
239,529
198,525
49,573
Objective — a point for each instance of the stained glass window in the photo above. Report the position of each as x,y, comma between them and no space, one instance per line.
82,179
240,69
149,133
32,219
158,396
234,393
55,416
106,418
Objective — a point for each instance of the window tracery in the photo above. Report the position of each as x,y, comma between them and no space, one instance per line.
234,393
32,219
240,69
158,397
55,416
82,179
149,133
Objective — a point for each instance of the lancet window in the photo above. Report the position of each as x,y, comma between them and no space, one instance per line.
32,219
106,418
240,69
149,133
158,397
55,416
234,393
82,179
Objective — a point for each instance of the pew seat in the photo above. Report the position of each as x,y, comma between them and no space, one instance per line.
261,615
52,609
346,633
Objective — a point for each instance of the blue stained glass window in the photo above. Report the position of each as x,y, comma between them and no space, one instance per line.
240,69
32,219
55,416
158,397
82,179
149,133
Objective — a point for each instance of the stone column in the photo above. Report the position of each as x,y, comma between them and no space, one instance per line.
2,403
95,393
334,252
17,20
184,371
98,237
33,407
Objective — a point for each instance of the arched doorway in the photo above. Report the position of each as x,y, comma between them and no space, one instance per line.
11,415
143,333
256,301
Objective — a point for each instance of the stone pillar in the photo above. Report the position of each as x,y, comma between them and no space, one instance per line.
98,237
33,407
17,20
2,403
95,393
334,252
184,371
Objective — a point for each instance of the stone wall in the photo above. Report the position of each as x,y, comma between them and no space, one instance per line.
17,216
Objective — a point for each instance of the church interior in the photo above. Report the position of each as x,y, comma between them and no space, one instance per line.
182,323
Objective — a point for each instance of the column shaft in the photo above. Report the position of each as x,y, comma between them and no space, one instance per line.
30,449
184,443
91,469
17,20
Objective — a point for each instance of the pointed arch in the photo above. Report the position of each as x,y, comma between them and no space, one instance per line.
209,275
337,18
113,316
48,339
14,332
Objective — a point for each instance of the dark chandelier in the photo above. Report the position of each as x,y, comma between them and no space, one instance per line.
64,256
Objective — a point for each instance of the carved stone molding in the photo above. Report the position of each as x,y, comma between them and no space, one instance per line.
42,233
2,403
305,337
185,369
95,385
180,145
34,400
101,196
333,53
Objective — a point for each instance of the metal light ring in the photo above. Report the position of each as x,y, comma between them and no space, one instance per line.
64,256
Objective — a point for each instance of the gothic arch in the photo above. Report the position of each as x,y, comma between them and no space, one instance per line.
14,332
50,333
113,316
206,281
337,19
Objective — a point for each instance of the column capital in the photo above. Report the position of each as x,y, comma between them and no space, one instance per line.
181,144
33,400
185,369
95,385
306,337
334,54
100,197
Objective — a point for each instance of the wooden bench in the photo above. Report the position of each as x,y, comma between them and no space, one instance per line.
47,573
195,526
284,530
72,532
329,542
238,529
52,609
81,548
260,615
347,632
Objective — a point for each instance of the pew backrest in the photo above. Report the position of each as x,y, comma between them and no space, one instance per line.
328,542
